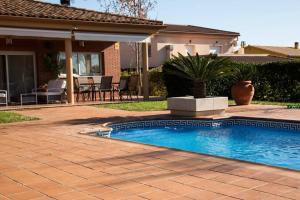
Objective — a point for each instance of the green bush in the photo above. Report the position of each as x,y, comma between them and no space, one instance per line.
157,86
277,81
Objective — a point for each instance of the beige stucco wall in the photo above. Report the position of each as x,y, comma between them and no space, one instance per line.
201,44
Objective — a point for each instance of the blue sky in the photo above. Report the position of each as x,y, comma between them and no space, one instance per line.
265,22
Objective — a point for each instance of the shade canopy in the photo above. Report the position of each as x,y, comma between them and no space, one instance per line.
42,33
111,37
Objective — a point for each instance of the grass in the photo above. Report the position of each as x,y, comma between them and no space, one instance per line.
138,106
231,102
10,117
162,105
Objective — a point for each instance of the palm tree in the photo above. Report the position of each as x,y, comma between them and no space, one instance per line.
199,69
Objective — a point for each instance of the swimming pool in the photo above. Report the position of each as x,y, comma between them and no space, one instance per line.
267,142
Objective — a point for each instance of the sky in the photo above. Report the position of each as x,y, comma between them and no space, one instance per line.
260,22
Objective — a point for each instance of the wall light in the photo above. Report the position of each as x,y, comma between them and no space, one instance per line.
81,43
8,41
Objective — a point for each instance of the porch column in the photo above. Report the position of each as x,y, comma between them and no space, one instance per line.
69,71
145,71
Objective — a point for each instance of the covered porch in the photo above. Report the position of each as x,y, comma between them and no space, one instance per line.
78,45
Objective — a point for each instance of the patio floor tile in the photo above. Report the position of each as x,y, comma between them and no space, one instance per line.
158,195
30,194
293,194
257,195
50,188
48,159
203,195
274,188
248,183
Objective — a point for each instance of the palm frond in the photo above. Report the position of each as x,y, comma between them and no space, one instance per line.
203,68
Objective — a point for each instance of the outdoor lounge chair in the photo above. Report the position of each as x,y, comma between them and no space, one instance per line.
3,97
55,91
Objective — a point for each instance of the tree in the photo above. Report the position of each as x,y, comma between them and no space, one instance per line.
133,8
198,69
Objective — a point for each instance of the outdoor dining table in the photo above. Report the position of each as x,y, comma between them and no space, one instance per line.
94,85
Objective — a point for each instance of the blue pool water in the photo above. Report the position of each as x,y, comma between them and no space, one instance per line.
276,147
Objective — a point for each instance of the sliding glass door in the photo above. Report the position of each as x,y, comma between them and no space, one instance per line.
3,74
17,73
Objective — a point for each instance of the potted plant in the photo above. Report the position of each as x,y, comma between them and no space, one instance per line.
198,69
50,61
243,91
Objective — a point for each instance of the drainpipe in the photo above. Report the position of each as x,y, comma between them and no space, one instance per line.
296,45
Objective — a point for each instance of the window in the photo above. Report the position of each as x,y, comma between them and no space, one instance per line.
190,49
84,64
215,50
149,51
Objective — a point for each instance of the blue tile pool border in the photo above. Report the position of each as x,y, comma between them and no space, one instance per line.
259,123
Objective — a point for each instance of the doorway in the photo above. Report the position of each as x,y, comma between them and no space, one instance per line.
17,73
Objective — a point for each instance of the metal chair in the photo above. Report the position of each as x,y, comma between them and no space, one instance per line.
106,86
96,87
122,87
133,86
83,87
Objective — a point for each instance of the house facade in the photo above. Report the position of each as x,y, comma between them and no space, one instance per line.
182,39
83,42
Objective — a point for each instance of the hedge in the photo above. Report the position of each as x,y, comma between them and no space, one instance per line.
277,81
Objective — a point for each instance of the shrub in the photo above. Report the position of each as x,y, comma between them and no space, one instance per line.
277,81
157,86
198,69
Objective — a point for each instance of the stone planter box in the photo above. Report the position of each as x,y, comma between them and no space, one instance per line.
191,107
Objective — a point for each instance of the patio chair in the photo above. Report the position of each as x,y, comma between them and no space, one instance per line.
133,86
122,87
83,87
106,86
55,91
96,87
3,97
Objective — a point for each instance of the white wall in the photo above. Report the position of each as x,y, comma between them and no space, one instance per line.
201,44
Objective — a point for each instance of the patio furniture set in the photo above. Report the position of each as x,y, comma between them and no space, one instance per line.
89,87
85,88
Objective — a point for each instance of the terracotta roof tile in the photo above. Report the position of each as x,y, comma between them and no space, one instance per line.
42,10
175,28
288,51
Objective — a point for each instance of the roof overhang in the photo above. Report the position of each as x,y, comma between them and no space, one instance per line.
80,36
73,25
112,37
40,33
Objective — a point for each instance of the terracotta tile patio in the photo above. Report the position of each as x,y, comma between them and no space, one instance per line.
49,159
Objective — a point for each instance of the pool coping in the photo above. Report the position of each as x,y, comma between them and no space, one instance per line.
106,125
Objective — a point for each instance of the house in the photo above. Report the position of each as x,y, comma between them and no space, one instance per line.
255,58
182,39
85,41
288,52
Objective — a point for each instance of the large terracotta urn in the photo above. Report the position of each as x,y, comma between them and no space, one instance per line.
199,89
242,92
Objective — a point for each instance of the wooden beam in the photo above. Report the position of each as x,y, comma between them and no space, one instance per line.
69,71
145,71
